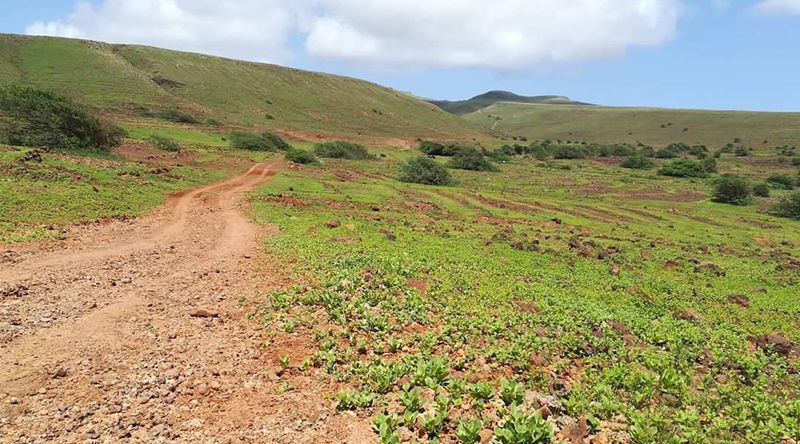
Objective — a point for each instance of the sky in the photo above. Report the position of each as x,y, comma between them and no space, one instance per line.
710,54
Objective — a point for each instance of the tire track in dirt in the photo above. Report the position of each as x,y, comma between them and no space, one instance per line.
103,346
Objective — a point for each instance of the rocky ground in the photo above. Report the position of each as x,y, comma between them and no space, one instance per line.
137,332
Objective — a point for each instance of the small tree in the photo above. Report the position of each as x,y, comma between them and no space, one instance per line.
732,189
426,171
471,159
789,206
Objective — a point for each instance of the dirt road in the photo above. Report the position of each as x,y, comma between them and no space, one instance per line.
100,338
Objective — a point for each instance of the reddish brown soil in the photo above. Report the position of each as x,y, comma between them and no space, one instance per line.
99,343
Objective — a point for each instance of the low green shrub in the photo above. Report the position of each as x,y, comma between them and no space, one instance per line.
788,206
165,143
761,189
426,171
732,189
176,116
36,118
781,182
638,162
304,157
342,150
683,168
667,153
471,159
258,142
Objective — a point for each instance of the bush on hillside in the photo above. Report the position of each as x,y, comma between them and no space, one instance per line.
741,151
571,152
342,150
667,153
709,164
789,206
437,149
31,117
732,189
258,142
781,182
426,171
761,189
796,161
176,116
638,162
471,159
165,143
304,157
683,168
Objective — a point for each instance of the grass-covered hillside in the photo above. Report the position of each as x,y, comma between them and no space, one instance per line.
140,83
545,301
461,107
648,125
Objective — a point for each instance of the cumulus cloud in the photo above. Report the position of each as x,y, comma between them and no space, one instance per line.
416,34
779,6
246,29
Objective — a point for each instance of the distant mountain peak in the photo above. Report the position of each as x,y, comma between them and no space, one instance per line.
491,97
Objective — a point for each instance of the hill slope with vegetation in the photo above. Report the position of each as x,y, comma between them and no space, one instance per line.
651,126
137,82
482,101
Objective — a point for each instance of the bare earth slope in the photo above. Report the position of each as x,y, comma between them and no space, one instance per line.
105,343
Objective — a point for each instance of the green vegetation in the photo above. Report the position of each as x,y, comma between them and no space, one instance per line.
117,79
165,143
638,162
31,117
788,206
258,142
620,299
301,156
471,159
425,171
732,189
782,181
761,189
607,125
684,167
482,101
44,191
342,150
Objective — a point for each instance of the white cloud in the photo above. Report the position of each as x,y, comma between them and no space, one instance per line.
247,29
779,6
499,34
416,34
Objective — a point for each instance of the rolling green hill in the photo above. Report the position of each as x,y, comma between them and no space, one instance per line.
130,82
482,101
649,125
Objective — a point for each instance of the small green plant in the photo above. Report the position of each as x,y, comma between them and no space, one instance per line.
482,391
350,400
468,431
165,143
386,426
511,392
431,372
284,361
732,189
523,428
301,156
425,171
176,116
411,399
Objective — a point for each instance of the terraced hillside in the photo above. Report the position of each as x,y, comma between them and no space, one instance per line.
136,81
648,125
